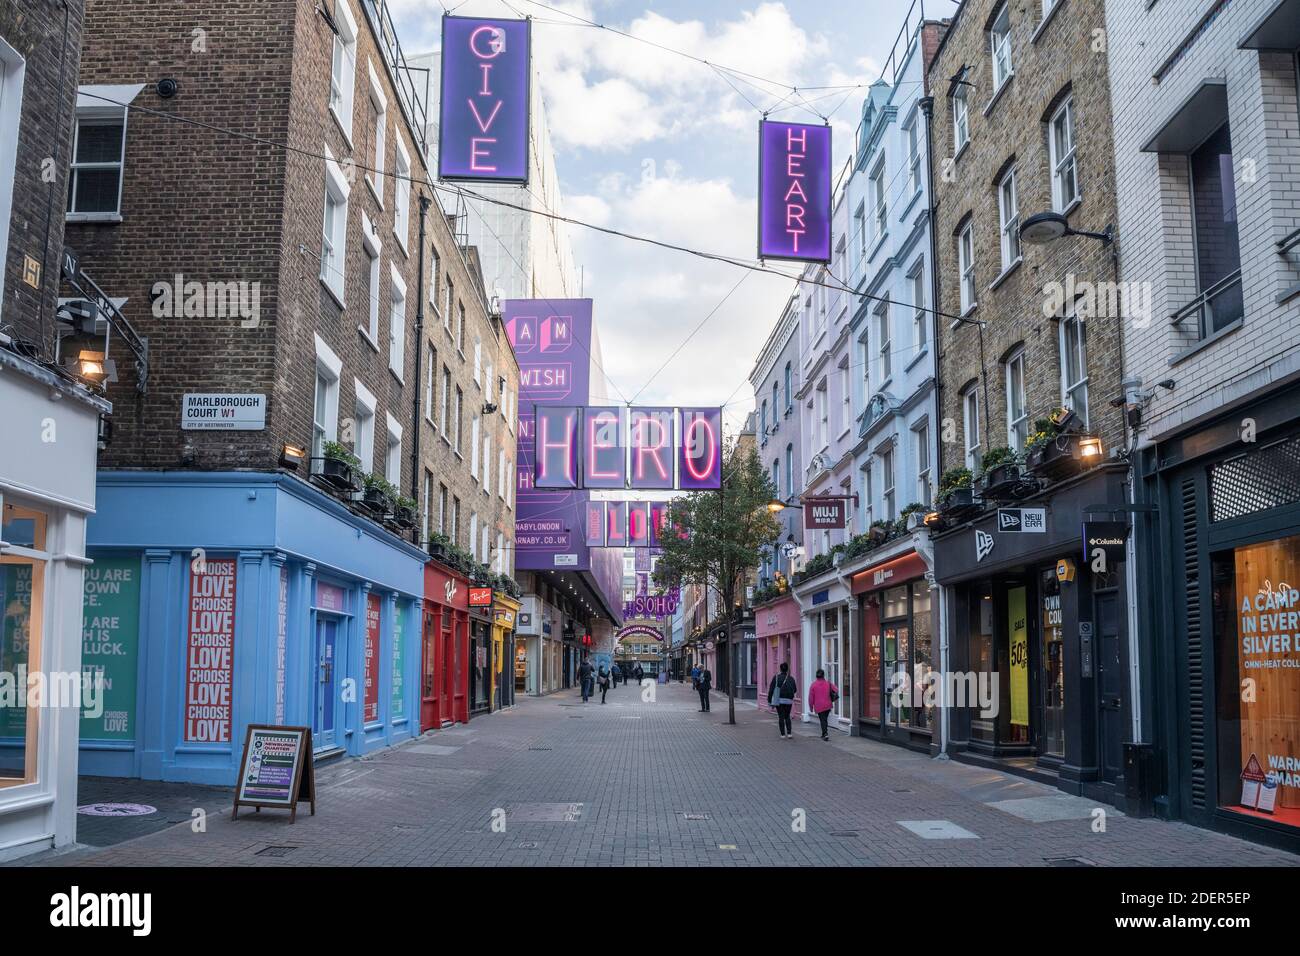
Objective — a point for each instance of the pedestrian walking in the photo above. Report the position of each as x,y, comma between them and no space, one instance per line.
604,683
704,686
695,677
822,695
780,695
639,674
617,673
584,678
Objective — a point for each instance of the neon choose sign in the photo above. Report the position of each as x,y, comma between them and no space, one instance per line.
637,448
483,116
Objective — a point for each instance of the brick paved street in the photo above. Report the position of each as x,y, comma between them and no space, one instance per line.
659,784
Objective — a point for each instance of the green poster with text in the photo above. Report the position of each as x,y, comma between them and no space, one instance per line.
110,640
398,709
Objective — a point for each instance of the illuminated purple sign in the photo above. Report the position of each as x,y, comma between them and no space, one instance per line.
594,524
616,524
701,449
794,191
557,447
604,455
638,524
650,437
483,120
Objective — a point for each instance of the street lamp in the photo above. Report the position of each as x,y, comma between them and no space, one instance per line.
1044,227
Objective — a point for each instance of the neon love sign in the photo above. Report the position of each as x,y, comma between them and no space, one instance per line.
794,191
483,116
638,448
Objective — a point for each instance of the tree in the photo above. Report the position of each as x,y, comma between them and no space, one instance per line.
713,539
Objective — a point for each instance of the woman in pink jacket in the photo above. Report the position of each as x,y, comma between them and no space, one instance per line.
822,696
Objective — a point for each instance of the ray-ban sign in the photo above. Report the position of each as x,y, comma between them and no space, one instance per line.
483,128
636,448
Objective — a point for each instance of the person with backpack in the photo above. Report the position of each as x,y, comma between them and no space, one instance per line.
780,695
822,695
704,685
603,680
616,673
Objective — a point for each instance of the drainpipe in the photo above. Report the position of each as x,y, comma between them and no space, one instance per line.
803,646
849,635
419,356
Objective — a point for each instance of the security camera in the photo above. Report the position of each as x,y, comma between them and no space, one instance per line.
1133,397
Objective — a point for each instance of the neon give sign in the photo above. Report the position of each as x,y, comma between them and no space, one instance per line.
483,115
636,448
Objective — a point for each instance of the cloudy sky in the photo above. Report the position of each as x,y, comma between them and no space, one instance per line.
652,143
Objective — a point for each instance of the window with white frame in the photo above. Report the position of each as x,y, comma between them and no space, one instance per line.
445,401
431,374
486,541
914,154
363,445
393,460
1074,366
454,533
26,560
1017,406
325,408
473,535
427,508
379,123
478,360
860,227
402,194
442,508
434,279
487,465
789,471
335,231
473,447
1060,142
966,266
879,203
763,430
370,242
864,348
789,372
460,417
451,301
501,474
460,327
970,408
887,484
501,553
776,474
489,384
13,69
1009,215
397,324
98,158
920,318
921,436
1000,43
867,510
846,409
823,417
960,119
884,342
343,68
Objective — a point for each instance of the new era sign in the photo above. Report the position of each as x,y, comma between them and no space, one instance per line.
823,514
1022,520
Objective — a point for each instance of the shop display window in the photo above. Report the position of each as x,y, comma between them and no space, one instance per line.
922,651
1051,681
1257,664
22,596
980,651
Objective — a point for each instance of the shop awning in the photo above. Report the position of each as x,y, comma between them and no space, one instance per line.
1192,123
1278,30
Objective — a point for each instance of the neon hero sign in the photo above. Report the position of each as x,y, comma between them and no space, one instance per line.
794,191
638,448
483,114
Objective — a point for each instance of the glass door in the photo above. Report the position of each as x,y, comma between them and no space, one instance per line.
324,719
980,652
897,653
1051,682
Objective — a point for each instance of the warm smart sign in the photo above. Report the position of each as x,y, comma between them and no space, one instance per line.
483,119
794,191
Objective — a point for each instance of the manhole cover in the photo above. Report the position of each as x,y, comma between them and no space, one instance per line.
937,830
528,846
275,851
539,748
844,833
1066,861
696,816
116,810
545,812
726,846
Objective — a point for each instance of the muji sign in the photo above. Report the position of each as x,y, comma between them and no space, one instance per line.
823,514
794,191
483,120
616,448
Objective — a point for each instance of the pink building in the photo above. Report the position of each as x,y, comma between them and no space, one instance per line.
777,629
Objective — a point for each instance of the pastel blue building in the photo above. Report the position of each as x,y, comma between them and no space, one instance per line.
219,600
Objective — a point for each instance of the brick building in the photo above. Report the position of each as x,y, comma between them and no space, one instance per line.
49,423
1029,361
321,361
1207,127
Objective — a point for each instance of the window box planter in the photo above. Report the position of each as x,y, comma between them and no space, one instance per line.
958,499
1058,458
336,474
377,501
999,482
404,517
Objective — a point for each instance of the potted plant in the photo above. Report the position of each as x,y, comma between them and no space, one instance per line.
404,511
1055,452
956,490
880,531
1000,472
902,525
438,544
337,466
378,494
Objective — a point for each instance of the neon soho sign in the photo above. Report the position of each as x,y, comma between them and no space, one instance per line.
794,191
638,448
483,117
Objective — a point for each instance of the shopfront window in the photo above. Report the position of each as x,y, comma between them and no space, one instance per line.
22,594
1051,683
1256,630
922,653
897,649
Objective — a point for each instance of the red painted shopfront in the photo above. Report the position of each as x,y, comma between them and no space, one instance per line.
777,628
898,651
444,690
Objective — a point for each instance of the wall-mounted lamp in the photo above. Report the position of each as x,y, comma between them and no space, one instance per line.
1045,227
291,456
91,367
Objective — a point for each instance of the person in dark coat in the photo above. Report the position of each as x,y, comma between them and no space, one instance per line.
704,686
584,678
639,674
780,695
603,680
616,673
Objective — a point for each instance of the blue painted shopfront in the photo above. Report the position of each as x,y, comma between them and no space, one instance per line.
222,599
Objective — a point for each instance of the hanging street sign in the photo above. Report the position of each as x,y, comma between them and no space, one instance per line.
794,191
824,514
483,129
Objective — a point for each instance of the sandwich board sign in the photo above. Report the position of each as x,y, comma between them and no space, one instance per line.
276,770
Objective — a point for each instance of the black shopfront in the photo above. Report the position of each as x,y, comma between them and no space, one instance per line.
1038,639
1219,579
